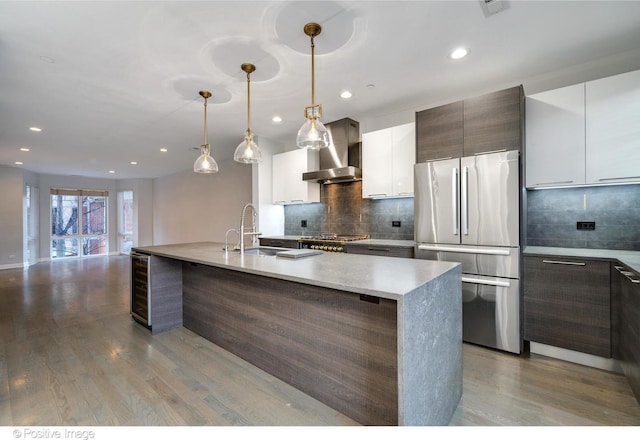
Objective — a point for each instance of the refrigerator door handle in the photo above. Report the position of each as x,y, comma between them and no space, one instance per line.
455,201
486,282
465,201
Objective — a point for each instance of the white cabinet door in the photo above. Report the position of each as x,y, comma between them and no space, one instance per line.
613,129
388,157
555,137
288,186
377,157
404,157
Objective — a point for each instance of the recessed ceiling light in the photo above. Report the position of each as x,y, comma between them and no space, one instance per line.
164,150
111,172
133,162
276,119
458,53
371,86
18,163
24,149
35,129
346,94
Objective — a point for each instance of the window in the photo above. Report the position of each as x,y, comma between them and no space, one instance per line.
78,223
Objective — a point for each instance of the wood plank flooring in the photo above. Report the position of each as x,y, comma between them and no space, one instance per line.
71,355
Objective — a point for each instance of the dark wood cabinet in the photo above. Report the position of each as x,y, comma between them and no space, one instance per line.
494,121
439,132
625,289
567,303
279,242
380,250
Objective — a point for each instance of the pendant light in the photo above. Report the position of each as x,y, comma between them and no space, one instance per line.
248,151
313,134
205,163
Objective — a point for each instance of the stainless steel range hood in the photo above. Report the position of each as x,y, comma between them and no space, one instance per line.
340,162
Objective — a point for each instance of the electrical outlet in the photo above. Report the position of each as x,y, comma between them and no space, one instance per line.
303,223
395,223
586,226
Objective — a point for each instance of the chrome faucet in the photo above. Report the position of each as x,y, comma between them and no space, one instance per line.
254,234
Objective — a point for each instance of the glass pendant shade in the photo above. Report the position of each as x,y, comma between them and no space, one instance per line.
205,163
313,135
247,151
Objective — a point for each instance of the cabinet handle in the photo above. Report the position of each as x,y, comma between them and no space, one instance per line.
405,193
618,178
566,263
628,275
280,202
297,200
378,249
553,183
378,195
489,152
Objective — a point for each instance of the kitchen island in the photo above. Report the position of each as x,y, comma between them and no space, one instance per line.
376,338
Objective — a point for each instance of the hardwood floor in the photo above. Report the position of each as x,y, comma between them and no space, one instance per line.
71,355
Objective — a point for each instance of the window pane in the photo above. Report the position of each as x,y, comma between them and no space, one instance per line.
94,215
64,215
64,247
94,245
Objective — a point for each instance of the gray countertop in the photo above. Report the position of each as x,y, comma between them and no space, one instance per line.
628,258
381,242
384,277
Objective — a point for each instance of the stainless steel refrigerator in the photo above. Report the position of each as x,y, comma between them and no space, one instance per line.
467,210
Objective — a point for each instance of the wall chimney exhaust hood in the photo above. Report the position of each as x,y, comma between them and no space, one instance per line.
340,161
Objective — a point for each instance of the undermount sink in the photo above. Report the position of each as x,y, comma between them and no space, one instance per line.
261,251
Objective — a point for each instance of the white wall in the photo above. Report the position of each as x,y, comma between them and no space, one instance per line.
11,244
271,217
74,182
190,207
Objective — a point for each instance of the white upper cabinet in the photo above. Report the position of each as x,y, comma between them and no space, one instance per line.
613,129
388,157
584,134
288,186
555,137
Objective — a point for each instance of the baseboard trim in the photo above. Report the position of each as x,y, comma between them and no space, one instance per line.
12,266
576,357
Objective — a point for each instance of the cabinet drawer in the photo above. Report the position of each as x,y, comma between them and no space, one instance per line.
279,242
567,303
384,251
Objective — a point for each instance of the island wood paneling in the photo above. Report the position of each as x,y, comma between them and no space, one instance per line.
329,344
166,293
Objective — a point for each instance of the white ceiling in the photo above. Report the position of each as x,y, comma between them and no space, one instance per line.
113,82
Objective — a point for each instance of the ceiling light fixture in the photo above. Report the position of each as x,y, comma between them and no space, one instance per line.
458,53
163,150
346,94
276,119
24,149
205,163
18,163
111,172
313,134
247,151
133,162
35,129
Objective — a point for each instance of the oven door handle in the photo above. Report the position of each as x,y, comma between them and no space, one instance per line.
486,282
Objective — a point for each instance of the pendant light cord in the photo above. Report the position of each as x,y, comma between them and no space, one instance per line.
205,121
313,102
248,103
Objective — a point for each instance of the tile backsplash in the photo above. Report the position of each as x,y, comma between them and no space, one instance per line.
552,215
342,210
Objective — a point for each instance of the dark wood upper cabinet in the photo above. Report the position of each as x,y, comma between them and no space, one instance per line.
439,132
490,122
494,121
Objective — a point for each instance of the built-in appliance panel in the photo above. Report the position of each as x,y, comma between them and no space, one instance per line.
499,262
491,312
